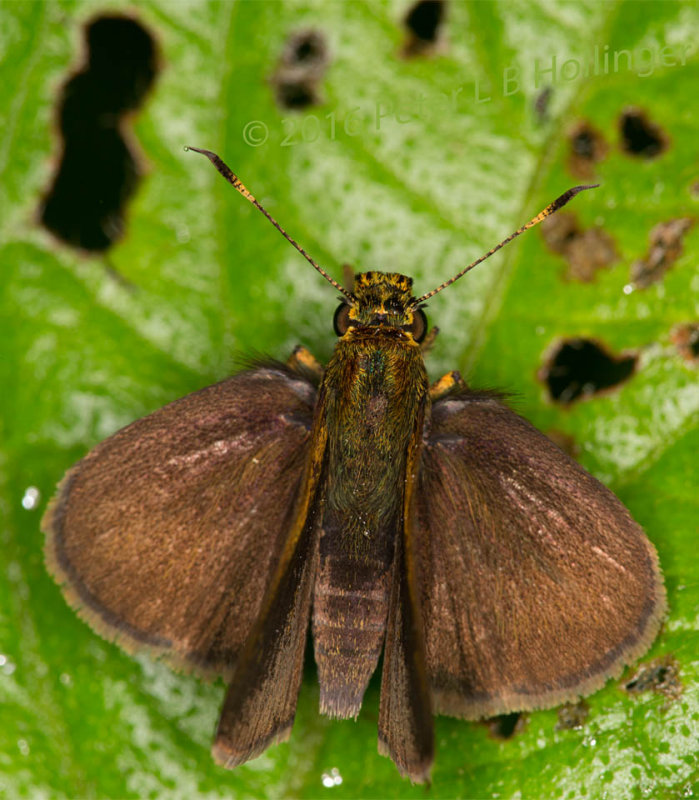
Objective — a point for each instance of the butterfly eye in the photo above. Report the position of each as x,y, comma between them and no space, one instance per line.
419,325
341,320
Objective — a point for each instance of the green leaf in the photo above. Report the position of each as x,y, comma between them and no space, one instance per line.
404,166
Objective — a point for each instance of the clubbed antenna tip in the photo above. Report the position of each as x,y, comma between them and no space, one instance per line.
559,202
238,185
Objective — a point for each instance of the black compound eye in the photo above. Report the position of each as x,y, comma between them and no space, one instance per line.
341,320
419,325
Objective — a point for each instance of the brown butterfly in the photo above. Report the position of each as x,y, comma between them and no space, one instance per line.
431,524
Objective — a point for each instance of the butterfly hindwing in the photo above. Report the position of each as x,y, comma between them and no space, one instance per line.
164,535
538,585
406,727
260,704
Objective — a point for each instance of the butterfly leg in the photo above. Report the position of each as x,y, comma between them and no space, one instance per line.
446,384
303,361
428,341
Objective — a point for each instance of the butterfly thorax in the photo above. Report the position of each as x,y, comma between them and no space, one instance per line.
375,390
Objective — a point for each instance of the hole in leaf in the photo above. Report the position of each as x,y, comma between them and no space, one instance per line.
98,170
572,716
661,675
300,70
665,247
586,251
295,95
307,49
587,147
424,19
686,340
424,22
506,726
639,136
582,367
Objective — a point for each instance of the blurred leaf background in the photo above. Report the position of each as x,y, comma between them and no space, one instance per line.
409,164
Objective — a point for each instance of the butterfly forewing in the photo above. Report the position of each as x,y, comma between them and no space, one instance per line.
261,702
538,585
165,534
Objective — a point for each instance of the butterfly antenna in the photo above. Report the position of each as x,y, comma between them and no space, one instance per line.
237,184
540,217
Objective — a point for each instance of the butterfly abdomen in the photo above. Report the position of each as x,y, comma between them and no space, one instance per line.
350,607
373,394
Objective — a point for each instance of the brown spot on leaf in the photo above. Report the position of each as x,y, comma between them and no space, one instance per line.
639,136
559,230
506,726
586,251
664,249
572,716
587,147
424,22
661,675
579,368
686,340
300,70
99,168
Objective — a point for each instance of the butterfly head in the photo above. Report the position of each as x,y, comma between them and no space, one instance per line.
382,300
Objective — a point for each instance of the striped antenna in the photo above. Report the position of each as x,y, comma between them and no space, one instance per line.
550,209
237,184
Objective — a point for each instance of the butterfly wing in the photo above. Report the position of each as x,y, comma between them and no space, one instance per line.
406,726
166,535
260,704
537,584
